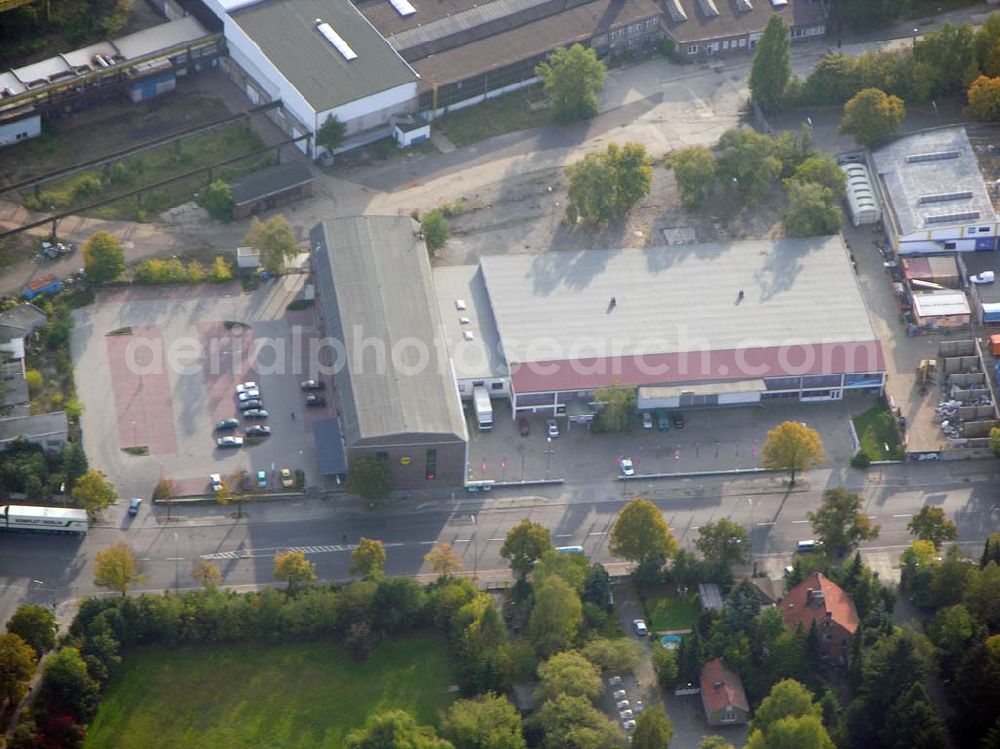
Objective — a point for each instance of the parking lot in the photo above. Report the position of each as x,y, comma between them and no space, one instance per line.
710,440
156,369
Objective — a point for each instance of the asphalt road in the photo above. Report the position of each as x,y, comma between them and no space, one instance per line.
51,570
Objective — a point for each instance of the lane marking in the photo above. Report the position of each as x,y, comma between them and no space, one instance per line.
598,533
496,539
461,541
427,543
175,559
873,517
766,523
904,515
799,521
564,535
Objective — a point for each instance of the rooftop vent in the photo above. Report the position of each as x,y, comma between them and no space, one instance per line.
467,335
460,304
403,7
335,39
708,8
464,320
944,197
779,3
743,5
917,158
948,218
676,12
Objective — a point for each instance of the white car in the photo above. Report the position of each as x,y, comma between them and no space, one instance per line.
229,441
216,480
250,394
987,276
619,694
615,681
622,705
638,624
647,420
553,426
628,725
625,714
627,468
244,386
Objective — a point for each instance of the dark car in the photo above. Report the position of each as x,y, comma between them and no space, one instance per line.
255,413
257,430
313,385
251,405
221,426
133,506
522,426
315,400
677,419
662,421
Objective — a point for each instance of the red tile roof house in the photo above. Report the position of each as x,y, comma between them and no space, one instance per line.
819,599
722,695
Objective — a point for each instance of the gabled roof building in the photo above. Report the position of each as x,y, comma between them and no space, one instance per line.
722,695
818,599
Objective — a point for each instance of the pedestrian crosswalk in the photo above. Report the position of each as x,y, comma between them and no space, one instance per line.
250,553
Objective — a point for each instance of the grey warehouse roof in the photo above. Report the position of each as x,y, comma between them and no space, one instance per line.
478,356
932,180
285,31
374,287
558,305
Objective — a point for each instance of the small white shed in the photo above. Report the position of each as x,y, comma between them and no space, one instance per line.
861,198
247,257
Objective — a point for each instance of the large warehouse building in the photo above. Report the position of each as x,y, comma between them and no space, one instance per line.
395,393
689,326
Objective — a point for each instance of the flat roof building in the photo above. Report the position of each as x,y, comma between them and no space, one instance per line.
934,193
50,431
395,388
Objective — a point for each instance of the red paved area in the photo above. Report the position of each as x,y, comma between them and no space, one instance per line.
226,363
141,388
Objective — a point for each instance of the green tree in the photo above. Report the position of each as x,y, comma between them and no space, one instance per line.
984,105
275,241
573,723
17,665
952,630
66,685
792,446
36,625
573,78
823,170
616,403
665,666
116,568
606,185
653,730
597,587
208,574
93,492
792,733
723,544
524,545
640,534
331,134
35,382
840,523
787,698
395,729
943,56
869,14
556,616
369,478
217,199
991,550
103,257
812,210
872,115
435,228
715,742
487,722
694,171
913,722
293,568
619,655
931,524
747,163
569,673
772,66
442,560
572,568
368,559
976,691
982,595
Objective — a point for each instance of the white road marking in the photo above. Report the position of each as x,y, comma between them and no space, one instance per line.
598,533
254,553
800,521
766,523
461,540
873,517
904,515
175,559
563,535
427,543
496,539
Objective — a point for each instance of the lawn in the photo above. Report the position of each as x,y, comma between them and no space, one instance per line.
504,114
253,696
667,611
877,434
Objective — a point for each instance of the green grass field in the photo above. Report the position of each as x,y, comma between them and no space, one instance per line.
877,434
253,696
504,114
667,612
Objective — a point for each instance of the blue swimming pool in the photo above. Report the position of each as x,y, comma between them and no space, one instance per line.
671,642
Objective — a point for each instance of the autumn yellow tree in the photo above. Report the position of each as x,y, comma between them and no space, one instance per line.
984,99
116,568
792,446
443,560
293,568
208,574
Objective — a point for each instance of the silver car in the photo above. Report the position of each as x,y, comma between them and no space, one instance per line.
622,705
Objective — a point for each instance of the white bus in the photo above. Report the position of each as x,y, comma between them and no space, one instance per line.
46,519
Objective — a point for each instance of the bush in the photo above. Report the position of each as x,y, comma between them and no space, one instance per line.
860,460
35,381
217,199
435,229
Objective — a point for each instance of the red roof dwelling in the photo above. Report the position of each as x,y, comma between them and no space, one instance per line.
722,694
819,599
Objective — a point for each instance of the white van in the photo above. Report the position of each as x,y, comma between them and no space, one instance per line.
804,547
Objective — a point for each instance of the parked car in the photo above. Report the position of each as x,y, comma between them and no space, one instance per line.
619,694
553,427
249,395
286,478
315,400
523,427
626,467
229,441
252,404
625,714
257,430
622,705
244,386
313,385
133,506
628,725
255,413
804,547
647,420
662,421
261,479
615,681
677,419
221,426
640,627
216,481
